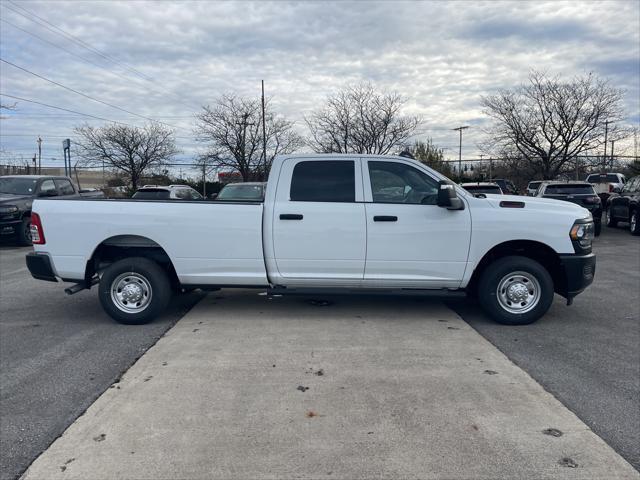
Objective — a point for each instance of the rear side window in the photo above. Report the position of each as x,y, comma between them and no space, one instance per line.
151,195
49,188
65,187
569,190
330,181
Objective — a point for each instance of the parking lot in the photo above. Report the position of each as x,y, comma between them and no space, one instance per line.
60,353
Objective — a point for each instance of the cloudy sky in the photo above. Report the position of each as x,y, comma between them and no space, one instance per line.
163,60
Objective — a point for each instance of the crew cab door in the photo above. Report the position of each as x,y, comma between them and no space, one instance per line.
319,230
411,242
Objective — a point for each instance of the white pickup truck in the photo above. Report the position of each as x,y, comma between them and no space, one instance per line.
329,223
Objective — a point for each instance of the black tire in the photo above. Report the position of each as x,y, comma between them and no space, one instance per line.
145,276
611,222
634,222
24,232
597,225
533,276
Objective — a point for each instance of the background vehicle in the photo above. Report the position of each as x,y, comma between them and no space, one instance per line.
481,188
170,192
341,223
606,183
580,193
625,206
507,186
532,187
17,193
242,192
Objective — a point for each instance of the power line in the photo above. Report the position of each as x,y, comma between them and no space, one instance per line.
84,94
78,41
65,109
86,60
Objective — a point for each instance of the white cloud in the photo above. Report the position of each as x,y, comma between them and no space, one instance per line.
441,55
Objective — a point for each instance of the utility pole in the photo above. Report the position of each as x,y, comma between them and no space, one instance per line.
604,159
39,155
612,144
264,133
460,129
244,124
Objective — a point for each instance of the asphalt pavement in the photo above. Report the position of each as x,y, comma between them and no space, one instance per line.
587,354
58,353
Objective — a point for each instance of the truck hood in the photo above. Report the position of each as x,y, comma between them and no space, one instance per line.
540,204
10,198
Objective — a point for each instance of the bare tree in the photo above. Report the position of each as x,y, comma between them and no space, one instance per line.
359,119
232,131
130,150
548,122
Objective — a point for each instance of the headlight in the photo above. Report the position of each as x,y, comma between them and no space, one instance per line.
582,233
8,209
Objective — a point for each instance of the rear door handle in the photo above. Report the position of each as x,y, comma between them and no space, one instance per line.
385,218
290,216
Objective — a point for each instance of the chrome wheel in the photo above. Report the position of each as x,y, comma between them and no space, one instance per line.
518,292
633,221
131,292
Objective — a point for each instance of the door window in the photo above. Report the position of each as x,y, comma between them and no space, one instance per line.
323,181
393,182
49,188
64,187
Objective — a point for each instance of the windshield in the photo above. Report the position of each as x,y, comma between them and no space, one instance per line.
241,192
483,189
151,195
18,186
608,178
579,189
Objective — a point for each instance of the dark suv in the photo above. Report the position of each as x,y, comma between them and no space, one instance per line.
580,193
507,186
625,206
17,193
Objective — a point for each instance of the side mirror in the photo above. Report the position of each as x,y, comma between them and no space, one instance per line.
447,196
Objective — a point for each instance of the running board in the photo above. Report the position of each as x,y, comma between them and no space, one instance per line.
426,292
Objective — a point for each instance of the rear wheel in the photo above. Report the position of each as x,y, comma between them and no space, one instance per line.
134,290
24,232
634,226
611,222
515,290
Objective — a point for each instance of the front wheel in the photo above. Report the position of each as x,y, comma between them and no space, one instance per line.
611,222
134,290
633,223
515,290
24,232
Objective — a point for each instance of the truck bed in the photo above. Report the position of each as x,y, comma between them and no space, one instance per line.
208,242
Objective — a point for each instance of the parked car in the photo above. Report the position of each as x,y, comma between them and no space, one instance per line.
532,187
507,186
17,193
169,192
242,192
606,183
91,193
625,206
482,188
580,193
341,223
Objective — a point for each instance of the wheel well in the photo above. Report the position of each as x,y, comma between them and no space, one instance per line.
537,251
125,246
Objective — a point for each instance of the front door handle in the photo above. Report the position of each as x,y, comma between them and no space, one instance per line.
385,218
290,216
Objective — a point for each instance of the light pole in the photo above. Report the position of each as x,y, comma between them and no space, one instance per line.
460,129
39,155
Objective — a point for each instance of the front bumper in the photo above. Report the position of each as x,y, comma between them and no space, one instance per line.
40,267
579,271
9,227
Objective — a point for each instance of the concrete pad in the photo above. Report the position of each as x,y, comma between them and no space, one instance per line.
407,390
